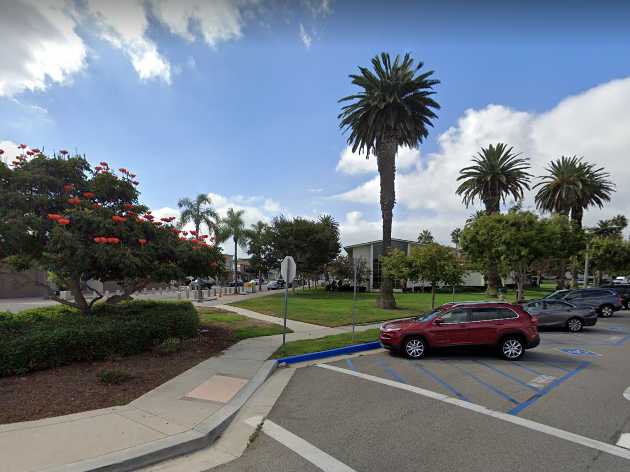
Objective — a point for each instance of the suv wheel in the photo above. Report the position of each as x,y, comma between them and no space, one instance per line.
606,311
512,348
575,325
415,348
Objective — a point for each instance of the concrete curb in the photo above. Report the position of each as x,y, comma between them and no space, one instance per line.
202,435
329,353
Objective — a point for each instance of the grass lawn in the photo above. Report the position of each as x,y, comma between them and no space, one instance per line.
295,348
335,308
241,327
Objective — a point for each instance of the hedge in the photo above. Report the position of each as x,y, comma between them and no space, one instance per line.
53,336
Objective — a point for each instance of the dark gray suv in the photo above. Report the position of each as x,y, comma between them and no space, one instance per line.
605,301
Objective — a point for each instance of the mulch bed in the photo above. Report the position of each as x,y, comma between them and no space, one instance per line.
76,387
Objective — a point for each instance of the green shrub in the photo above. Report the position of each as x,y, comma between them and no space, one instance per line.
114,376
54,336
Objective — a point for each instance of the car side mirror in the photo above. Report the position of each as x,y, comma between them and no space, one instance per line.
439,321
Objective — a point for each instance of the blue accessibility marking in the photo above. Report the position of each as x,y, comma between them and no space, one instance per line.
441,381
489,386
578,351
529,402
509,376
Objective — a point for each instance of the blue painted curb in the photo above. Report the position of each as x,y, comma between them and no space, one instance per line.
340,351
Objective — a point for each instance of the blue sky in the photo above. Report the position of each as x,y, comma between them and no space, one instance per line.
242,102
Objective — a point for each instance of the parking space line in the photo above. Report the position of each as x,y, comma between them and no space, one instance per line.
517,409
509,418
315,456
555,366
509,376
391,372
442,382
486,384
528,369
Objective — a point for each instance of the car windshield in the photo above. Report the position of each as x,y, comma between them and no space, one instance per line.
557,295
429,316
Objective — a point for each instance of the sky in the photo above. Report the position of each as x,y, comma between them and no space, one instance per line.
239,99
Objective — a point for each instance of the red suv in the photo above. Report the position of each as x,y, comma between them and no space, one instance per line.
506,326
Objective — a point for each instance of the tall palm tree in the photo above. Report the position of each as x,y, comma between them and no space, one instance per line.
425,237
233,226
198,212
393,108
571,186
456,234
497,172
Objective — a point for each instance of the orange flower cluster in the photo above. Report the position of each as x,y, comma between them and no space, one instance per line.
106,240
118,219
74,201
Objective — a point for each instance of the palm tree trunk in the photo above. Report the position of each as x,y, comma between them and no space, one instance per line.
576,218
386,159
492,274
235,262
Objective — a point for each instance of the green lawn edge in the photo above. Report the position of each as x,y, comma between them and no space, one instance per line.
333,341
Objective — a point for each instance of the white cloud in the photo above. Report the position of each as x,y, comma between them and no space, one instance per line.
356,163
306,38
10,151
592,124
39,46
124,25
271,206
216,20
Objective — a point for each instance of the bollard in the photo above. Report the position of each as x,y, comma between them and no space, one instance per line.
205,294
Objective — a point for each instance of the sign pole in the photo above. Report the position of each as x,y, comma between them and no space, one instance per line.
354,298
286,305
288,271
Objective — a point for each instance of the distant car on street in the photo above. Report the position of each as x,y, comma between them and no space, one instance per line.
561,314
201,283
621,280
238,283
507,327
605,300
623,290
275,284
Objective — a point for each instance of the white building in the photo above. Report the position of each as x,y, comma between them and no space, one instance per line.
371,252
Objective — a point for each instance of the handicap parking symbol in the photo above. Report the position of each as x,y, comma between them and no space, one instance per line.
578,351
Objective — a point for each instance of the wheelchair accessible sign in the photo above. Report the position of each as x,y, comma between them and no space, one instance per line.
578,351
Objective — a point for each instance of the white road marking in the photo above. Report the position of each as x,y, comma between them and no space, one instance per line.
517,420
624,440
541,381
315,456
626,394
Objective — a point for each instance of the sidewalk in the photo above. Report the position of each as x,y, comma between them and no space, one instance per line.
180,411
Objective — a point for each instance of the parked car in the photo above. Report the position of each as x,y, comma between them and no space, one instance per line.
275,284
621,280
507,327
605,300
561,314
201,283
623,290
238,283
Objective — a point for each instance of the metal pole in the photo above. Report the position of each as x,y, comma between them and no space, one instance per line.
286,305
354,298
586,261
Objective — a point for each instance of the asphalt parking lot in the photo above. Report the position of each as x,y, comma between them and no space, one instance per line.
561,407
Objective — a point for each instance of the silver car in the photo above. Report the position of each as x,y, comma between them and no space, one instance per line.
561,314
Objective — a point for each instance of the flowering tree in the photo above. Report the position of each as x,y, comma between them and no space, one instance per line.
81,223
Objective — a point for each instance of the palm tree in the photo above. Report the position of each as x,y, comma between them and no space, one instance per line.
497,172
455,236
393,108
233,226
571,186
199,212
425,237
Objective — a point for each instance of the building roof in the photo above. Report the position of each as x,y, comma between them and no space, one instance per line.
379,241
